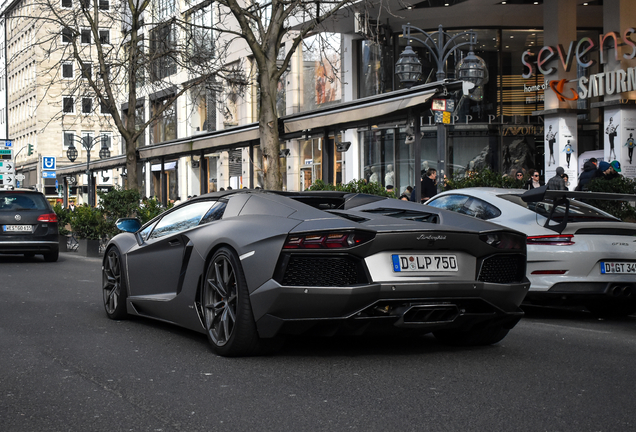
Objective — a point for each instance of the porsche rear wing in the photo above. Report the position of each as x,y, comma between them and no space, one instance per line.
561,197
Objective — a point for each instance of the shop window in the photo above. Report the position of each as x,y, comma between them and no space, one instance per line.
311,162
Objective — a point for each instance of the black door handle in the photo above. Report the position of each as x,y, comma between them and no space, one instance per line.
174,242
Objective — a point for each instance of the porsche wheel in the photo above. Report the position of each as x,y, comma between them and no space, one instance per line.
114,285
473,337
229,321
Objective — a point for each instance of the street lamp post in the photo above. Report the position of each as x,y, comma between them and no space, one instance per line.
88,143
409,71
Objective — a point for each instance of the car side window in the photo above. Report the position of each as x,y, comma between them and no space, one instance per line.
215,212
480,209
450,202
181,219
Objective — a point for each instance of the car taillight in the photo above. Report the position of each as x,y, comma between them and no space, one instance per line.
49,217
333,240
551,240
503,240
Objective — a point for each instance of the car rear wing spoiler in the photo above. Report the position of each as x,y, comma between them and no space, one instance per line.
562,198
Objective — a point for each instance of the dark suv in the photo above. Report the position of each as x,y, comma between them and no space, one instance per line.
28,224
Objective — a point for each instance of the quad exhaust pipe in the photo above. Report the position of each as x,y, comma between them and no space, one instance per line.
622,291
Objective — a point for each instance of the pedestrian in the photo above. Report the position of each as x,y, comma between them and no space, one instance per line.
566,179
609,171
429,189
534,181
519,175
590,171
389,188
71,206
556,182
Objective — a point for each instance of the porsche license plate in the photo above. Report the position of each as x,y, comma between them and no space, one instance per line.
617,267
425,263
17,228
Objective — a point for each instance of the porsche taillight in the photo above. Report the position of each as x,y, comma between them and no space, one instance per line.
49,217
551,240
332,240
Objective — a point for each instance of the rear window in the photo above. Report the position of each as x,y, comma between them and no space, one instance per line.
579,211
11,201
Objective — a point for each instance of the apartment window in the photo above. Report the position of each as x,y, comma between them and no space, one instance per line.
69,137
162,45
87,105
87,139
67,3
86,4
165,127
68,104
86,36
200,43
67,35
104,107
165,8
107,140
67,70
104,37
104,4
87,70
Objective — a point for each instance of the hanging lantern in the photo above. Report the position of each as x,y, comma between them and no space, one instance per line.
408,67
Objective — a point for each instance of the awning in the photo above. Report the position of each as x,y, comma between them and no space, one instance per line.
359,111
95,165
225,138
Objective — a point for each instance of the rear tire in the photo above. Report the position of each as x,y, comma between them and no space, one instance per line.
227,311
474,337
51,256
114,285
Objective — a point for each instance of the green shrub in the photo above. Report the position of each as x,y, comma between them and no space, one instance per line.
354,186
117,203
87,223
484,178
623,185
149,209
63,218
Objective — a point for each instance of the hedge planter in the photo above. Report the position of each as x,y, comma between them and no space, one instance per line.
88,248
63,240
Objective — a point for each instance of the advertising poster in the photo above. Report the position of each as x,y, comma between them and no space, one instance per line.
561,148
628,143
612,133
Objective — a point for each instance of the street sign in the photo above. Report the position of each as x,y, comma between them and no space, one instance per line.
8,143
48,163
6,167
439,105
7,180
6,154
20,177
48,174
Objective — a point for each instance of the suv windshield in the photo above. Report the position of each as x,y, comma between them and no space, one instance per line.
579,211
11,201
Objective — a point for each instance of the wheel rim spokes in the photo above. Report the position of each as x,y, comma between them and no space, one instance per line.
220,301
111,282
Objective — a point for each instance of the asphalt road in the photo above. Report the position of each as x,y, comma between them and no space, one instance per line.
66,367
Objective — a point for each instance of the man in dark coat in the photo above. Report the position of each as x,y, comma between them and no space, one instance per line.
429,190
590,171
557,182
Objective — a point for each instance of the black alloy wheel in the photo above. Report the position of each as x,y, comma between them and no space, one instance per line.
228,317
113,285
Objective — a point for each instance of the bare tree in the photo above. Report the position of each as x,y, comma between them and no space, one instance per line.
264,26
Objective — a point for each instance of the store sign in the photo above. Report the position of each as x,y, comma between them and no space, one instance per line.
583,47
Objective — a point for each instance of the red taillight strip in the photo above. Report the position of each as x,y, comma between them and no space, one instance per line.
551,240
333,240
49,217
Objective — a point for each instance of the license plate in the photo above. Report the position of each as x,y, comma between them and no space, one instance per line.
614,267
17,228
424,263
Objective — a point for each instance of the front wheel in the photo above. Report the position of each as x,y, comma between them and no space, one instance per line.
229,321
474,337
114,285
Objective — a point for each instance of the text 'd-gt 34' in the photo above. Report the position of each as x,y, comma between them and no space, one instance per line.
247,267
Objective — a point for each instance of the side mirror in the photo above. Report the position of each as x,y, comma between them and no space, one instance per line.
130,225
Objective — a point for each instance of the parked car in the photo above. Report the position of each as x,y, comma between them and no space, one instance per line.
29,224
245,267
577,254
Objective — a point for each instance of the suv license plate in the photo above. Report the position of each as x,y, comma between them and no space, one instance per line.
424,263
613,267
17,228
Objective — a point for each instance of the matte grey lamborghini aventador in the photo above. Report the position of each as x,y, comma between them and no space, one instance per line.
248,266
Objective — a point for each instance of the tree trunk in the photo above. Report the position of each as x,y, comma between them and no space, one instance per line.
132,176
269,137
